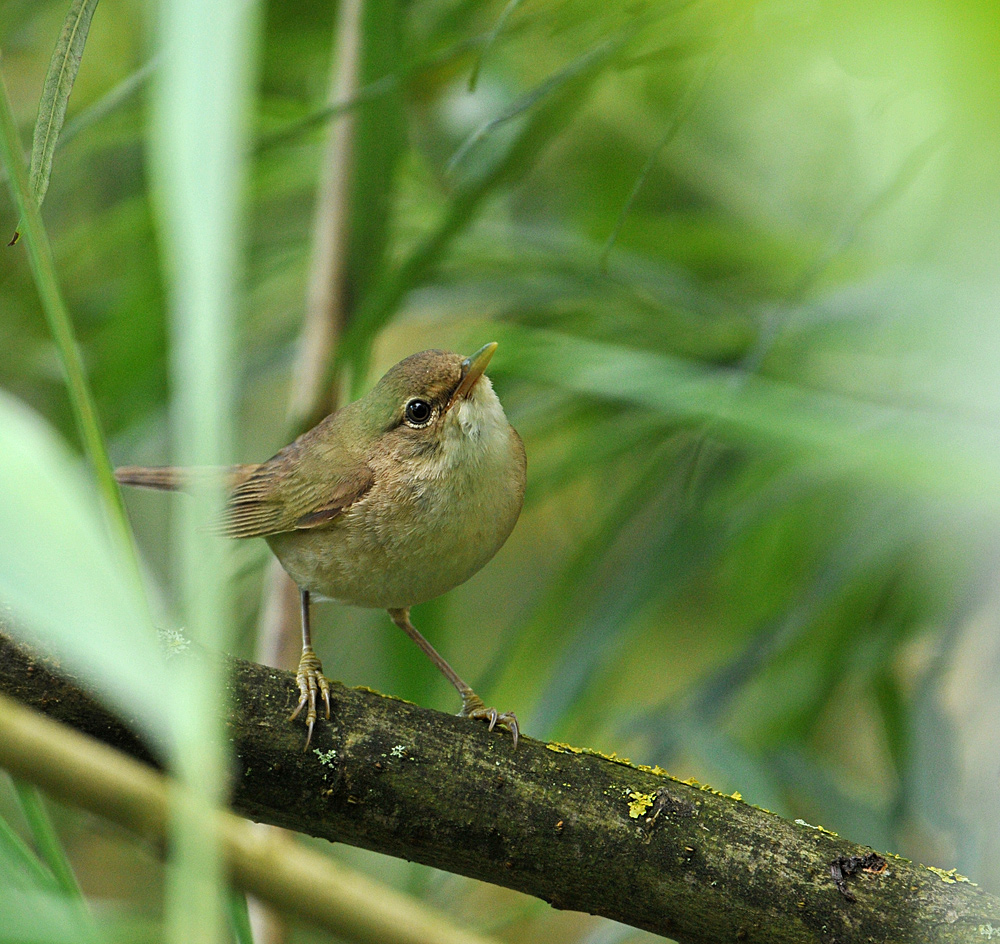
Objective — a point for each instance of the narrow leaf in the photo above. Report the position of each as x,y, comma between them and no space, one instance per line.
63,67
927,452
540,129
491,38
47,839
62,576
581,65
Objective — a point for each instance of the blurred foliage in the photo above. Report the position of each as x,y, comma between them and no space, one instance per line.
741,260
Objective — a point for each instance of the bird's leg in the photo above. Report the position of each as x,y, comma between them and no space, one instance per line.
309,677
472,704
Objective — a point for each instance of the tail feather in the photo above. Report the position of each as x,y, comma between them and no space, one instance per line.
171,479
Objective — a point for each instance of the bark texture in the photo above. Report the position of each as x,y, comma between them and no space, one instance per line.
582,831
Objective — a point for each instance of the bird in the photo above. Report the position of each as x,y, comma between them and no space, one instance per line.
390,501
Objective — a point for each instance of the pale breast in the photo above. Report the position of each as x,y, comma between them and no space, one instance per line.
423,528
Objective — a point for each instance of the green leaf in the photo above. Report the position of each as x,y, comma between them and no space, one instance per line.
378,142
63,67
19,864
46,838
63,579
927,453
491,38
539,130
239,916
581,65
61,326
41,917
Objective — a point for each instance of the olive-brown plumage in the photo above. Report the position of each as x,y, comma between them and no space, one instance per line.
389,502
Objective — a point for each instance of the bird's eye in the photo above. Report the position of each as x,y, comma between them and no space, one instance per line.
418,412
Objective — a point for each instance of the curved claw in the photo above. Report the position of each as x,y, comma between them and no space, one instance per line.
473,707
311,682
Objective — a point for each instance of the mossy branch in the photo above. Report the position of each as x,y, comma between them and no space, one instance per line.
581,831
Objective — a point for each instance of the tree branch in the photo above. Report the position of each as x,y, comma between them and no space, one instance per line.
81,771
581,831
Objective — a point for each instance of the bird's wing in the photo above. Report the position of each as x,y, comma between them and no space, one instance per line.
303,486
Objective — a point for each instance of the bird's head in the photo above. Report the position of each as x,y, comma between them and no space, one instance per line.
437,404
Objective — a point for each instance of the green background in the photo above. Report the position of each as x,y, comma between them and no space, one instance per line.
742,262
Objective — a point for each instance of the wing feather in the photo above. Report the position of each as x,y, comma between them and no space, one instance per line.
309,484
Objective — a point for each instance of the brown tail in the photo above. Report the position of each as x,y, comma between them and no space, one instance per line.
170,479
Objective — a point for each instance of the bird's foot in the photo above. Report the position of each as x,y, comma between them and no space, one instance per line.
473,707
311,682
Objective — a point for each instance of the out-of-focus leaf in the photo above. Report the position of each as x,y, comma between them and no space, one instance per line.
585,617
932,454
19,864
46,839
685,106
80,398
528,100
756,780
63,67
63,581
538,132
33,916
36,916
108,103
378,142
491,37
373,89
869,547
820,793
239,916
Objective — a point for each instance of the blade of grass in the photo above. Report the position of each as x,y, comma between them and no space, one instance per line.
103,107
922,451
689,100
42,916
61,579
198,139
541,641
354,203
108,103
19,856
539,131
63,67
47,841
491,38
581,65
368,92
81,401
239,916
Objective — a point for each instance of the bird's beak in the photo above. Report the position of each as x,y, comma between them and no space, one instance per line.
472,369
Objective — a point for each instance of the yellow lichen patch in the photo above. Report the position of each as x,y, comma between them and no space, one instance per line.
561,748
819,829
564,748
952,876
656,770
705,788
639,803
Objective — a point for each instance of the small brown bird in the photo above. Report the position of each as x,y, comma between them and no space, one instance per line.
389,502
